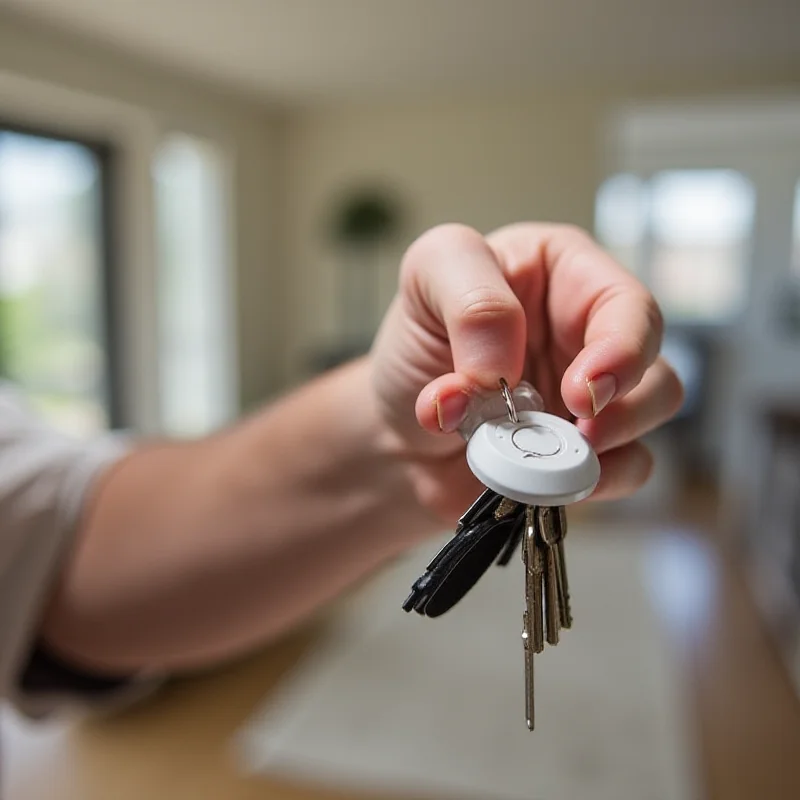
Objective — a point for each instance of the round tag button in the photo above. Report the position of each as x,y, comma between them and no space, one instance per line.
536,441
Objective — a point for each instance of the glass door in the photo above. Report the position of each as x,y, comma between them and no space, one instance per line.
55,278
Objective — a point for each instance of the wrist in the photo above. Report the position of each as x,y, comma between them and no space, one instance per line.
340,454
395,454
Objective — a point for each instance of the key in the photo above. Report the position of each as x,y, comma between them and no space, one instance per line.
484,533
505,508
533,558
458,566
532,464
482,509
552,589
559,522
514,541
532,615
530,699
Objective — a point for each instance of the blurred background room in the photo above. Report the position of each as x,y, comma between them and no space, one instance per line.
204,203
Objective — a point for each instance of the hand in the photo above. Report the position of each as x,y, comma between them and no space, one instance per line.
531,301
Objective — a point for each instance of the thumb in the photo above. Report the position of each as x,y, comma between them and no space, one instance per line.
455,289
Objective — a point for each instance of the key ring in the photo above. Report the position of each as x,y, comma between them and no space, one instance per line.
509,399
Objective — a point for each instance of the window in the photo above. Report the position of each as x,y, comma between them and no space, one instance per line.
53,278
197,364
621,218
687,234
700,224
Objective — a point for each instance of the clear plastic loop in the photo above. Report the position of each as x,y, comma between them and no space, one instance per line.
486,406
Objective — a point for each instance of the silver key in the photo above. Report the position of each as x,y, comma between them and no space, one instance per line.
553,524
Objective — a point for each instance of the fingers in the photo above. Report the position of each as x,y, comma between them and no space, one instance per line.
623,471
654,401
594,307
442,404
623,337
446,486
453,286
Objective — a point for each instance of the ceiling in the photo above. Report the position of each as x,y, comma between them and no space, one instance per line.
296,49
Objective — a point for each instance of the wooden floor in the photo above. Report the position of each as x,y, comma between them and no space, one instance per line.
746,710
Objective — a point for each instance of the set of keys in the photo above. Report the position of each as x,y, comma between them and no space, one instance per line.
533,465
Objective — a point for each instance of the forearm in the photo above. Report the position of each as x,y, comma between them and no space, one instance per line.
190,553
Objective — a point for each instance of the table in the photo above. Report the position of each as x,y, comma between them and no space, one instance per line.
176,746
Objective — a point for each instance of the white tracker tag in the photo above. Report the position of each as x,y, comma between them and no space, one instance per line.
539,459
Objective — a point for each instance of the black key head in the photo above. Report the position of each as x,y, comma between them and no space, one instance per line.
463,560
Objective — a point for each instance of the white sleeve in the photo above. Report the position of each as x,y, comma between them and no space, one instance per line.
44,480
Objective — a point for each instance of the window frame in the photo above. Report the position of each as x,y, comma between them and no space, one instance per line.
645,173
756,137
107,155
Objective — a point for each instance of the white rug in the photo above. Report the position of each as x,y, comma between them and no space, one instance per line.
395,703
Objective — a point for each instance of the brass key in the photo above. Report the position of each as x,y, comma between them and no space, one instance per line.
553,521
552,589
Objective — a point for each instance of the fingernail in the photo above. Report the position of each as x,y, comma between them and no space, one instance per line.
451,411
602,390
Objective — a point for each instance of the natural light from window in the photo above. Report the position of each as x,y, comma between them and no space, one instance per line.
701,221
621,212
51,279
687,234
195,316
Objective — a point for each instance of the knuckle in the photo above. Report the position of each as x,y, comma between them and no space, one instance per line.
577,246
643,348
573,232
631,350
444,235
453,233
433,242
654,315
487,303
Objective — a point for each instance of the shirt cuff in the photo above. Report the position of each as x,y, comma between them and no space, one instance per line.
48,683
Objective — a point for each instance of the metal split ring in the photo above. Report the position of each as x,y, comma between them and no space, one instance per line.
509,399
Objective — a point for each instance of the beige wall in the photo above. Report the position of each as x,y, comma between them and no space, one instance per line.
482,161
146,102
